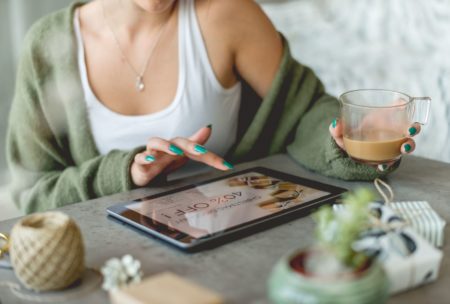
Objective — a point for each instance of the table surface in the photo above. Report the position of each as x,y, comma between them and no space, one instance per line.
239,270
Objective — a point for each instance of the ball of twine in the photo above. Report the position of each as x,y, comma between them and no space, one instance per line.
47,251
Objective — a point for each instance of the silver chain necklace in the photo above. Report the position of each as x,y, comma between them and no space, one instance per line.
140,86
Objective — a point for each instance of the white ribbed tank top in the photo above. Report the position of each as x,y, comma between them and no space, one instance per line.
200,99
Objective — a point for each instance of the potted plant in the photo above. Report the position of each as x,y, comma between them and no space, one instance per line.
332,271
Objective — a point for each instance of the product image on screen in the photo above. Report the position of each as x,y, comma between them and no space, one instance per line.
210,208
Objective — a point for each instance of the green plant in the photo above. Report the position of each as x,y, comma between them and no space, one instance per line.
337,231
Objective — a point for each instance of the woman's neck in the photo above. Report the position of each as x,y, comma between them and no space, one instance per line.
127,16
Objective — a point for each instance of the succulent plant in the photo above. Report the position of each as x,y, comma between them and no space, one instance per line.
337,231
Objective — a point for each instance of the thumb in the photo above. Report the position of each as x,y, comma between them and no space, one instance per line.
202,135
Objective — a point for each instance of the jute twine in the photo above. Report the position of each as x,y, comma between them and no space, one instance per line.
47,251
387,199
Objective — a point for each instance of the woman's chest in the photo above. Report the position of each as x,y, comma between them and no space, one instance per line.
115,72
182,118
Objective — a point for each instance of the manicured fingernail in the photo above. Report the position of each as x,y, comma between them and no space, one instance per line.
200,149
407,147
176,150
412,131
334,123
209,126
150,158
228,165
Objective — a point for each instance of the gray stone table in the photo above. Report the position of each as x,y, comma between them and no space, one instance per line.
239,270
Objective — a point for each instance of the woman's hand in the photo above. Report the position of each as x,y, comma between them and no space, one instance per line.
163,156
336,131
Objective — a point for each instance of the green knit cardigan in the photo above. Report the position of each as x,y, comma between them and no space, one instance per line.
52,155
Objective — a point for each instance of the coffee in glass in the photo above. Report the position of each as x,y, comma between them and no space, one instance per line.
376,123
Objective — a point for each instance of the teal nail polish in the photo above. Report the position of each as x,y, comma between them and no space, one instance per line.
200,149
334,123
150,158
407,147
176,150
412,131
228,165
209,126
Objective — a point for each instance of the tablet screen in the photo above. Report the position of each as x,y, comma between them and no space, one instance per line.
213,207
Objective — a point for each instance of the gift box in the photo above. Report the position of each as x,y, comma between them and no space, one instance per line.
407,258
423,219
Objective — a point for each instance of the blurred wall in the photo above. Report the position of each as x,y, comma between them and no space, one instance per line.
6,75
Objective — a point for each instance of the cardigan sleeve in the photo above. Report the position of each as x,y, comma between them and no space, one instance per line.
43,173
314,148
312,145
294,117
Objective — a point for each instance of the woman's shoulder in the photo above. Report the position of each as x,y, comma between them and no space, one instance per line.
234,13
225,7
236,19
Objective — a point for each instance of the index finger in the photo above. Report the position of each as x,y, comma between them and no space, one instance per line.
199,153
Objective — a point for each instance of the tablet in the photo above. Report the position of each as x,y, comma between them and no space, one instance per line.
216,211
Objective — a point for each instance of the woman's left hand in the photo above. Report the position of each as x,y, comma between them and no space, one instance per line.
336,131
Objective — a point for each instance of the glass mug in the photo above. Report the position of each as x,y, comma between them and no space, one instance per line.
376,123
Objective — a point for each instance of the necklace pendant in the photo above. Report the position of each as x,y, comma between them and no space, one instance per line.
140,84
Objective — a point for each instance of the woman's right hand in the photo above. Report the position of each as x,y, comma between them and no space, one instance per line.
163,156
336,129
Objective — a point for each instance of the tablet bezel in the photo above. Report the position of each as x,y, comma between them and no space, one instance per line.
239,231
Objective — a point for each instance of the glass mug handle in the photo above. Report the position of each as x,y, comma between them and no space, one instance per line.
421,109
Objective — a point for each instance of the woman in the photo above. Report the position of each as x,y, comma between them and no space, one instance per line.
97,80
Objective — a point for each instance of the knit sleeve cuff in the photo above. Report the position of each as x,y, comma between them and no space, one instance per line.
333,151
338,159
114,174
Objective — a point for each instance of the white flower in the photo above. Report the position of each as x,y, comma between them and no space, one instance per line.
121,272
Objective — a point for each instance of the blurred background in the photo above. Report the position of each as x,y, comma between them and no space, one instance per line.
400,45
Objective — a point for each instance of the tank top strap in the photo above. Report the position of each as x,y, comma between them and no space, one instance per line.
194,47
